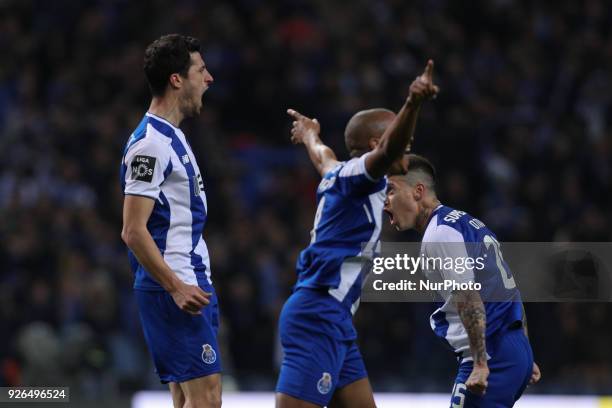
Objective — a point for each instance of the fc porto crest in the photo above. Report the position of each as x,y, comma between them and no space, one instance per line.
208,354
324,385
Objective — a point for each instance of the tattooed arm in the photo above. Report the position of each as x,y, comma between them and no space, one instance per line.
471,310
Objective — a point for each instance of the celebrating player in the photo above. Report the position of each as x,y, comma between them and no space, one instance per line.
321,361
164,212
490,338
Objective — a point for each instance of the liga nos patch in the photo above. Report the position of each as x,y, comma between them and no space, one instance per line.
143,168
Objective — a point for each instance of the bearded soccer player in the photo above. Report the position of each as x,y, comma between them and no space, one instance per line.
489,338
164,212
322,365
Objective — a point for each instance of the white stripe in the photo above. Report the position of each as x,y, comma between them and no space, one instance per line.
377,200
355,305
202,250
179,241
365,207
349,272
353,167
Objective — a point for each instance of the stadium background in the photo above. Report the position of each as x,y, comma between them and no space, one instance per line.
520,135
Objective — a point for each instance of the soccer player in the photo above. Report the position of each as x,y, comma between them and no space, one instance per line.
164,212
490,338
322,364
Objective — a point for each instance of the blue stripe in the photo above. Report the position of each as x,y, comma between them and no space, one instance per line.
139,133
198,211
440,324
168,169
159,222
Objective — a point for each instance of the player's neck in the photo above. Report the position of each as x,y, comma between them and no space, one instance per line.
428,207
166,108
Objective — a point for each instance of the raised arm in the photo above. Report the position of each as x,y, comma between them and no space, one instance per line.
471,310
399,135
306,131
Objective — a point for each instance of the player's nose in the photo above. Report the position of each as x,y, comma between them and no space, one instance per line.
208,78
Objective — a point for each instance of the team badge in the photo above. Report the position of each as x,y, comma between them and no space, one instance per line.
324,385
208,354
143,168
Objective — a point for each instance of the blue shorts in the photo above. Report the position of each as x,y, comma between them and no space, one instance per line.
319,346
510,366
183,346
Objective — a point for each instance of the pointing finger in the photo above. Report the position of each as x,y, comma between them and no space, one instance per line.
294,113
428,73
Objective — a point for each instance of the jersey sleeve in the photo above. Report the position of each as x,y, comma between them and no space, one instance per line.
353,178
147,166
447,247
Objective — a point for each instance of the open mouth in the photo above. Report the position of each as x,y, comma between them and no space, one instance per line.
390,215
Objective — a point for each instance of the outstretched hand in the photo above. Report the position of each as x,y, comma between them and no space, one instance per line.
423,87
302,126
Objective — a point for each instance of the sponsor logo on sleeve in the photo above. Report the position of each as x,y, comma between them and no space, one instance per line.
143,168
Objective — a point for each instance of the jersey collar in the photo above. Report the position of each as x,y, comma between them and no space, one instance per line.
154,116
434,212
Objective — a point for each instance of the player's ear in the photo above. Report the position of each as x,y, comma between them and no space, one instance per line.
418,192
373,143
176,81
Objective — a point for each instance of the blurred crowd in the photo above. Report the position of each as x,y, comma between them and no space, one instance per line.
520,134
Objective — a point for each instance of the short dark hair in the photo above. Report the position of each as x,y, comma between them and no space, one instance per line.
165,56
364,126
421,169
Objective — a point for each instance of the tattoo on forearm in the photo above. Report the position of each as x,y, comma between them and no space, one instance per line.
473,316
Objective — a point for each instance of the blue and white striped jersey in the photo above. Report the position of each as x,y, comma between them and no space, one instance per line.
158,163
469,237
349,213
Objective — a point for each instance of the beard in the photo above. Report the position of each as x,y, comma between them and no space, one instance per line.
192,105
